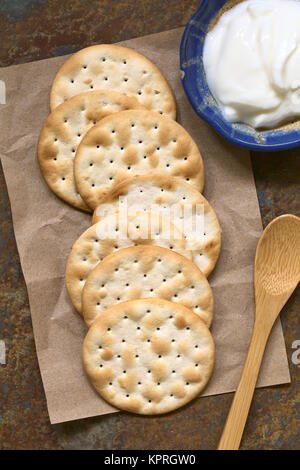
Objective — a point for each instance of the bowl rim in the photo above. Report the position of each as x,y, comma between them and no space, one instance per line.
252,146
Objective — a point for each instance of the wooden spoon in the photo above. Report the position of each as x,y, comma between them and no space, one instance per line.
276,275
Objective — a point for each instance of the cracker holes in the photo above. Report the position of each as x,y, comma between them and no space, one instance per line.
103,59
91,164
125,79
106,78
63,178
91,86
187,179
124,61
84,67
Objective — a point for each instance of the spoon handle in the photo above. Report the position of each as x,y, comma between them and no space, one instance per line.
237,417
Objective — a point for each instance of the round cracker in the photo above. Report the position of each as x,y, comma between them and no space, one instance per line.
162,193
148,356
62,132
146,271
111,67
134,142
112,233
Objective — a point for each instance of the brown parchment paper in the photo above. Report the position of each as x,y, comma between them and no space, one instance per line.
45,229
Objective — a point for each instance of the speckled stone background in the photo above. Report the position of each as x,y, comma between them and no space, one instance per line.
37,29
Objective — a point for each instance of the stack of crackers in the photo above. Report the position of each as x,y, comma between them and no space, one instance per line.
138,275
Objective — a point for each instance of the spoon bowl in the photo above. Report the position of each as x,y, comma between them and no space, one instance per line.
277,260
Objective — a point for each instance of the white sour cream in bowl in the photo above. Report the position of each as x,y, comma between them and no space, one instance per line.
252,62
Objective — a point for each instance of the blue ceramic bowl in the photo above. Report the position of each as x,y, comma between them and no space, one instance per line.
196,88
